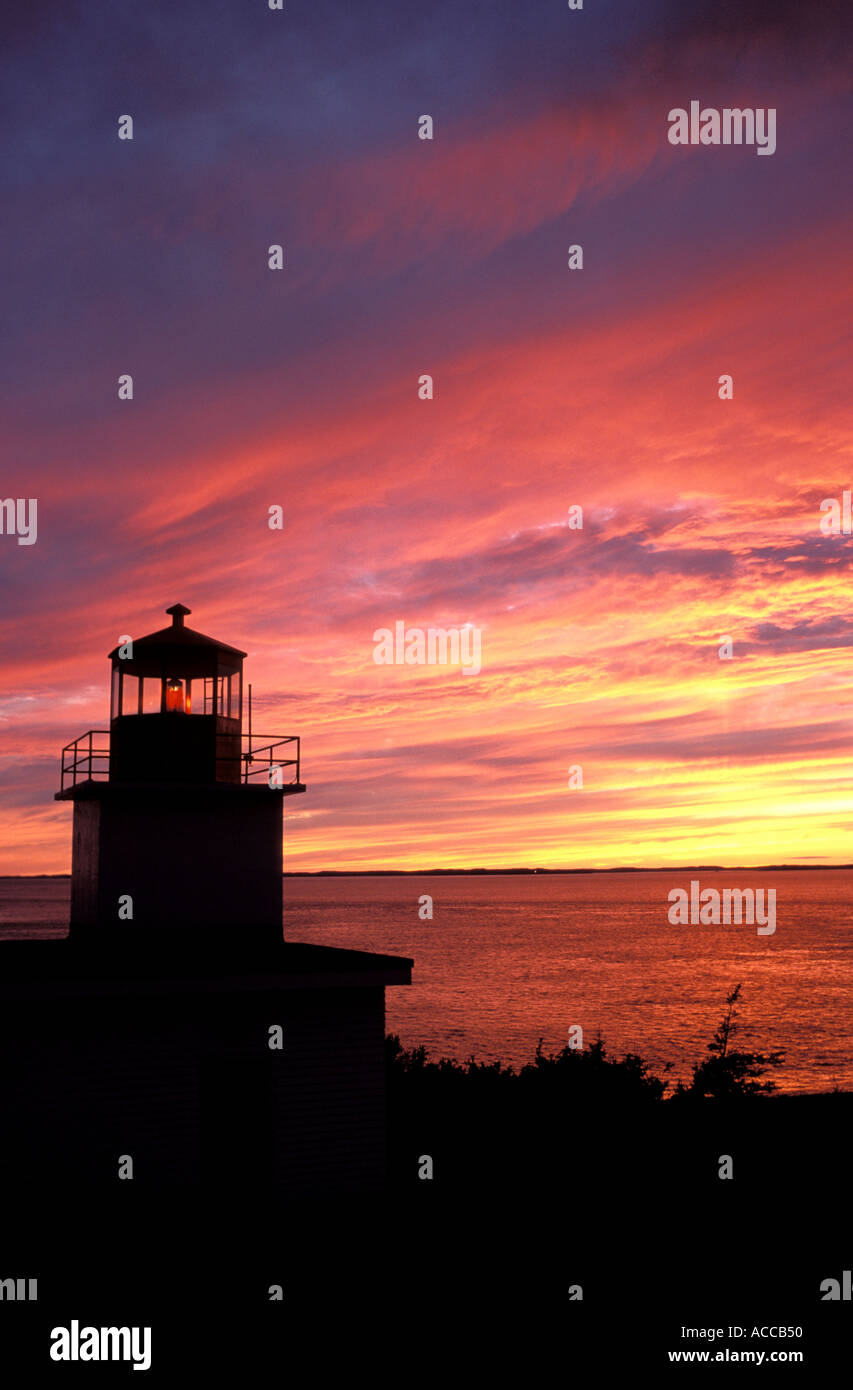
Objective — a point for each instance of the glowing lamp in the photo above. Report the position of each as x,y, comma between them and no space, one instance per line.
175,696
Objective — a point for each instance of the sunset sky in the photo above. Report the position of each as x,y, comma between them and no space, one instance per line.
553,387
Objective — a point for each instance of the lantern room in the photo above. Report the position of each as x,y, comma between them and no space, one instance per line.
176,707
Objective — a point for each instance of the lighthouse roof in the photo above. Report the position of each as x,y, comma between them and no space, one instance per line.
178,636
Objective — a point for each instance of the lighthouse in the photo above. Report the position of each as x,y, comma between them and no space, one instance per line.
174,1033
177,809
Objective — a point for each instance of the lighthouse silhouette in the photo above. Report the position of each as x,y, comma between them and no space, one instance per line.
178,821
174,1026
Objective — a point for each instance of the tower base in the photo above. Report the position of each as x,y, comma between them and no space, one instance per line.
161,857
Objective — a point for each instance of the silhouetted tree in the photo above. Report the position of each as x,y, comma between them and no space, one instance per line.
728,1072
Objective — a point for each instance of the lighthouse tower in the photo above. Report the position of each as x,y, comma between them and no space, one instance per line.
177,811
174,1026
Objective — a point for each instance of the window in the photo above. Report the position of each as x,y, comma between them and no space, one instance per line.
221,696
212,693
151,695
129,693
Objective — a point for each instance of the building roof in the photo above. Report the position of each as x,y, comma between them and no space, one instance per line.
100,961
177,636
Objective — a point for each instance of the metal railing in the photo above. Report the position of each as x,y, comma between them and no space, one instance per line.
254,754
83,761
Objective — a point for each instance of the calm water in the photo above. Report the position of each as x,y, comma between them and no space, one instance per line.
508,960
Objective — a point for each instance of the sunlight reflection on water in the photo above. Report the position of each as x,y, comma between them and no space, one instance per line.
507,960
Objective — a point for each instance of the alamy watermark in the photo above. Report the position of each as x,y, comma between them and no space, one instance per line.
837,519
730,126
19,1290
835,1291
14,520
713,907
433,646
76,1343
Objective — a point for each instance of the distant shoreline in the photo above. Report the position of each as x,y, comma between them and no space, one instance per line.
504,873
623,869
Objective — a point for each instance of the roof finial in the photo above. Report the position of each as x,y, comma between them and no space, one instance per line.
178,613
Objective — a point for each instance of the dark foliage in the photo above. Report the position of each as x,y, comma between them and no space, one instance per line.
729,1073
580,1075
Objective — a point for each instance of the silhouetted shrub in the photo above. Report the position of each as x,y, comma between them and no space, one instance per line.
581,1075
728,1073
588,1074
